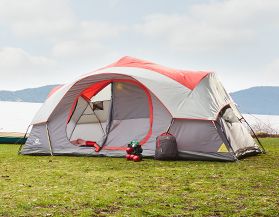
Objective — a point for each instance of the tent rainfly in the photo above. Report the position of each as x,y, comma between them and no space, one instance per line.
134,99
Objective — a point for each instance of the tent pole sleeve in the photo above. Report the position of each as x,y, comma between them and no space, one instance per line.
49,141
263,150
21,145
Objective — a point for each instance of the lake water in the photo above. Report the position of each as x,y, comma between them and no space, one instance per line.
16,116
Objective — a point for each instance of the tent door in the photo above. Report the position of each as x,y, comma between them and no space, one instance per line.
90,118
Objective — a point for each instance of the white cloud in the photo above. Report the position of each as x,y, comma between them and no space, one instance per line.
214,26
19,68
37,18
235,38
18,58
89,38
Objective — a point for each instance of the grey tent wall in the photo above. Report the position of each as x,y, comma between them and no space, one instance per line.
199,140
38,141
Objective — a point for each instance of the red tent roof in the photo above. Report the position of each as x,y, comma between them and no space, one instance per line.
190,79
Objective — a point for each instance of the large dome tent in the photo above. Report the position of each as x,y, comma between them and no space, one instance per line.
134,99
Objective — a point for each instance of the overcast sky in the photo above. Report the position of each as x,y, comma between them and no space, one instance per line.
54,41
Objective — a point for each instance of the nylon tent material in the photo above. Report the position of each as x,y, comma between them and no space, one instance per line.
146,99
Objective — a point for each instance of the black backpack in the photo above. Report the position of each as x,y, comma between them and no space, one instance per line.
166,147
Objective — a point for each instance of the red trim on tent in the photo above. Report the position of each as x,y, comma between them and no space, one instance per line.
54,90
190,79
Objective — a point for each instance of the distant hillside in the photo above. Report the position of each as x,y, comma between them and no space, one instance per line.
38,95
258,100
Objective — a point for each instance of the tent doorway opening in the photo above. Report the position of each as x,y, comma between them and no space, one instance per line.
120,112
88,117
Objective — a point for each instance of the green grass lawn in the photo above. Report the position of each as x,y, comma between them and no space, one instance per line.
91,186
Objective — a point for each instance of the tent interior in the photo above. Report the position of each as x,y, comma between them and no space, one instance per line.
117,114
89,118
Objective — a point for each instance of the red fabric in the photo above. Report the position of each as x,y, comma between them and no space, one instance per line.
54,90
113,148
166,134
72,110
93,144
94,89
190,79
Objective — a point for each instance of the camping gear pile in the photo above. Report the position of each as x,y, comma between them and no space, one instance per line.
134,151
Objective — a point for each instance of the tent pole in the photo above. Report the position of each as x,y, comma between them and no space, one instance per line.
100,123
261,145
70,137
19,150
171,123
49,141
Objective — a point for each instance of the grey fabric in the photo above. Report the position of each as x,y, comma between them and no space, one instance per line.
129,102
238,136
210,156
90,117
200,140
89,132
229,116
161,122
124,131
130,115
37,142
80,107
195,135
